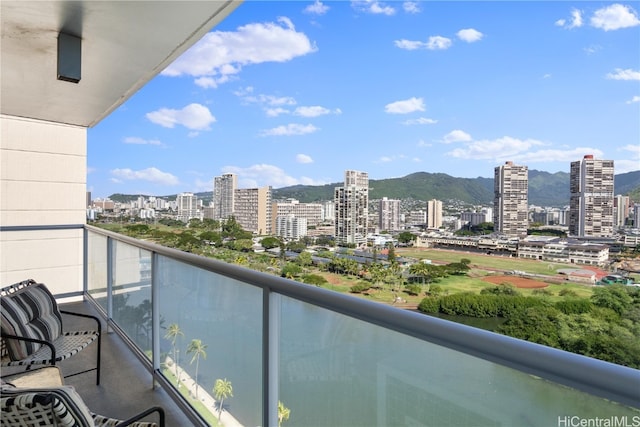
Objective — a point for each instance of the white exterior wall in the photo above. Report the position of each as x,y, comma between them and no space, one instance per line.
42,183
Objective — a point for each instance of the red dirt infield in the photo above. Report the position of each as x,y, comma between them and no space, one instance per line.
517,281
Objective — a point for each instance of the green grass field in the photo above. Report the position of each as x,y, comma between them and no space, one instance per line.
487,261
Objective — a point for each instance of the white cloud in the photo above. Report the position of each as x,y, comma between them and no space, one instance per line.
420,121
140,141
404,107
498,149
576,20
303,158
634,149
621,74
469,35
220,55
625,165
150,174
410,44
275,112
263,174
634,100
456,136
389,159
373,7
313,111
546,76
434,43
411,7
615,17
423,143
317,8
438,43
193,116
518,150
290,129
590,50
631,161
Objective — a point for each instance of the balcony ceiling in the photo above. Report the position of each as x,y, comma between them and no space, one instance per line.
124,45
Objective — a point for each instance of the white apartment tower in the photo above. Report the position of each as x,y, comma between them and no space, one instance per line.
591,202
434,214
352,208
224,188
389,214
312,212
253,209
187,207
291,227
510,203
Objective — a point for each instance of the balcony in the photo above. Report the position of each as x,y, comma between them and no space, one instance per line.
332,359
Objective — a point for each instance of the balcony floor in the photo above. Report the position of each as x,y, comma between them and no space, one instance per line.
126,385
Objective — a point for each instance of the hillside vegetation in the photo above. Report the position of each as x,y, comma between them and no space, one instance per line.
545,189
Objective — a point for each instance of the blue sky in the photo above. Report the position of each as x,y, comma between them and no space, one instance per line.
294,92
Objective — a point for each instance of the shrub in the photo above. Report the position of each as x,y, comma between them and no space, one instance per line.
435,290
567,293
501,289
414,289
359,288
574,306
314,279
429,305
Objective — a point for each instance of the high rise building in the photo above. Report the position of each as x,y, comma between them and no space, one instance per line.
253,209
352,208
434,213
291,227
224,188
312,212
621,209
389,214
187,207
591,202
510,203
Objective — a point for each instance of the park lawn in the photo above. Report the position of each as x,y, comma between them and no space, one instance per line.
487,261
457,284
450,285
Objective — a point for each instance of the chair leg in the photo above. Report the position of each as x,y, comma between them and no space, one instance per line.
99,349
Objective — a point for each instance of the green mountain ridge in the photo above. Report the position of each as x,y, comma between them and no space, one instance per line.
545,189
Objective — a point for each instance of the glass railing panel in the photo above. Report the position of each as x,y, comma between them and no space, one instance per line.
336,370
132,293
225,315
97,268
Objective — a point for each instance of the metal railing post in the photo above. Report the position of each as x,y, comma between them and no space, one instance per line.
110,278
271,359
155,317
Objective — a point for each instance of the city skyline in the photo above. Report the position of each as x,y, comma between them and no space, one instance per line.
281,94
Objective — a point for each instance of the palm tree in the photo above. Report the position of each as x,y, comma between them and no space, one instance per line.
198,349
283,413
173,332
221,390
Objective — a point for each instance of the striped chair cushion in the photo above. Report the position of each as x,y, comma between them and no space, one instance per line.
31,312
60,406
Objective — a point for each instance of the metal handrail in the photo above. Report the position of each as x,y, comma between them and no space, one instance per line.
608,380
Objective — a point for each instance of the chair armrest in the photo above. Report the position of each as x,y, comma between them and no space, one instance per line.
88,316
141,415
43,342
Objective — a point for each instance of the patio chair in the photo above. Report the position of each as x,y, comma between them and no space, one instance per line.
32,332
60,406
